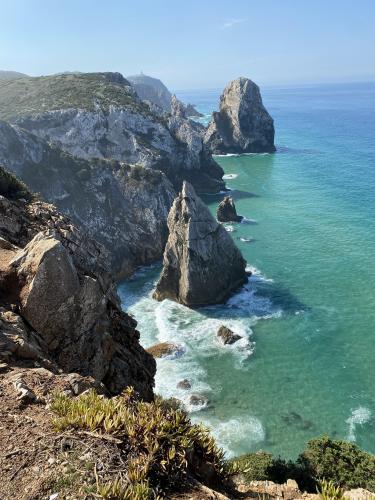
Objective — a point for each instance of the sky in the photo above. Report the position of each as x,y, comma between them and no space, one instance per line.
193,44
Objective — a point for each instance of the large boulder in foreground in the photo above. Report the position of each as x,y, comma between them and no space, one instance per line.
58,304
202,265
243,125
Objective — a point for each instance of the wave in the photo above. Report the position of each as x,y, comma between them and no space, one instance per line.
195,331
228,177
235,434
359,416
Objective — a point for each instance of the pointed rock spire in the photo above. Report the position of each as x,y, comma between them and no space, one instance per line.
202,264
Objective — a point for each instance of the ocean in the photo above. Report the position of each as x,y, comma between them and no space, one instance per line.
306,363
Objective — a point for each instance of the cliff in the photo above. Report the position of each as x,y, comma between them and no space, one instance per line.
123,207
201,265
58,304
99,115
242,125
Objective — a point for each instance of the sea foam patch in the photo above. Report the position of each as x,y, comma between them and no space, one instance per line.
359,416
228,177
235,434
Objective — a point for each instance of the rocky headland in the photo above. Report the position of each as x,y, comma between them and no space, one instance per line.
104,157
100,115
201,265
242,125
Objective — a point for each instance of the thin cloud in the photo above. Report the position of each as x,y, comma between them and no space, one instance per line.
232,22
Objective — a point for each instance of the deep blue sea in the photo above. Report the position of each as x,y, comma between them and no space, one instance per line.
306,363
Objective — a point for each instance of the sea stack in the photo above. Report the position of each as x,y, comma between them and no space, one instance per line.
226,211
202,265
243,125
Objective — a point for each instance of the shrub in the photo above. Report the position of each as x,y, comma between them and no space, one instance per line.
161,447
324,461
11,187
338,461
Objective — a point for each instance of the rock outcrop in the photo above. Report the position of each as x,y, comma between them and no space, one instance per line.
202,265
58,305
243,124
226,211
227,336
100,115
99,194
154,91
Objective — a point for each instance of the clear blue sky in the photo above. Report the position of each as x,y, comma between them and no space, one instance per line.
193,43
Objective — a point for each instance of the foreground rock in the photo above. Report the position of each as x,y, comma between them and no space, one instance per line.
243,124
226,211
202,265
227,336
58,305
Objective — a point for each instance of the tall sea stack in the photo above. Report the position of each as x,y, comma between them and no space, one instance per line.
202,265
243,125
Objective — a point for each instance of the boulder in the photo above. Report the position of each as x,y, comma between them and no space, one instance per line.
243,124
164,349
226,211
227,336
202,264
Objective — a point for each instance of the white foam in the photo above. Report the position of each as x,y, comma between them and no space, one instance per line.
230,229
195,331
359,416
246,240
236,433
228,177
256,275
245,220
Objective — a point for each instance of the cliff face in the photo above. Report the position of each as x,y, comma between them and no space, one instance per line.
243,124
99,115
58,304
202,265
123,207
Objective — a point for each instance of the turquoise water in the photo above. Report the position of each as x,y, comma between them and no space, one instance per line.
306,364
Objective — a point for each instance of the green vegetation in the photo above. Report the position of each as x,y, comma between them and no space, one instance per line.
329,491
13,188
325,460
160,446
89,91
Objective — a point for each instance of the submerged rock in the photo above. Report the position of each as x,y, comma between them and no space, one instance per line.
198,400
243,124
226,211
227,336
184,384
202,265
